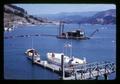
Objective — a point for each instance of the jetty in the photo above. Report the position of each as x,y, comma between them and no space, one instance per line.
91,71
81,71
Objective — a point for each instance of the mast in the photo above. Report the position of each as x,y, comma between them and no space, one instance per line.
33,57
33,51
32,42
59,28
62,27
68,46
79,25
71,49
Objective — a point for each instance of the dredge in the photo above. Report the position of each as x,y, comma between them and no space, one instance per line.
77,34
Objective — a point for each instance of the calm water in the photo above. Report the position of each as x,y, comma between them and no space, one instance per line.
101,47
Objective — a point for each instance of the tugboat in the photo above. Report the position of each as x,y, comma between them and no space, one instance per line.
32,54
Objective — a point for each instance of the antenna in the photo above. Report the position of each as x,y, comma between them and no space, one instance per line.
59,30
79,25
32,42
71,48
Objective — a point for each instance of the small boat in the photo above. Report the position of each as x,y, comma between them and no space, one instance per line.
5,28
55,58
32,54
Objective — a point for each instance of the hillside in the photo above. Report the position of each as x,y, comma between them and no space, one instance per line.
104,17
67,16
17,15
92,17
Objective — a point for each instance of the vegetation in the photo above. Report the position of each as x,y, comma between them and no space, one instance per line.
14,14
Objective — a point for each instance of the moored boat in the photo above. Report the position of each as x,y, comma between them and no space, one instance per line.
33,54
55,58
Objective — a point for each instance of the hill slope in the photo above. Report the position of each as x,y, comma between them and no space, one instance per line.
17,15
93,17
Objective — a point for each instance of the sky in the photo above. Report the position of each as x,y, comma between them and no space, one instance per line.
35,9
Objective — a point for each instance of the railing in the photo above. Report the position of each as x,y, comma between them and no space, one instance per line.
91,70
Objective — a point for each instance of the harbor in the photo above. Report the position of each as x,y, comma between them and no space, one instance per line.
74,70
49,43
80,72
40,70
59,41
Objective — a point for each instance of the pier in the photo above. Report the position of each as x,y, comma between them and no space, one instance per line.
81,71
91,71
49,66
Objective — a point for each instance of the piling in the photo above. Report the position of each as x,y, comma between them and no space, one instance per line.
106,76
62,66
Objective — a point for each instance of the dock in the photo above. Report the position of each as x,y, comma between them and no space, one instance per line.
92,71
49,66
80,72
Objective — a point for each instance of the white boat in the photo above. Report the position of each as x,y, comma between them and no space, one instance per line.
33,54
5,28
55,58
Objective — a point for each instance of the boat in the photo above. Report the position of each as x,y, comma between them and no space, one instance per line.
5,28
55,58
32,54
